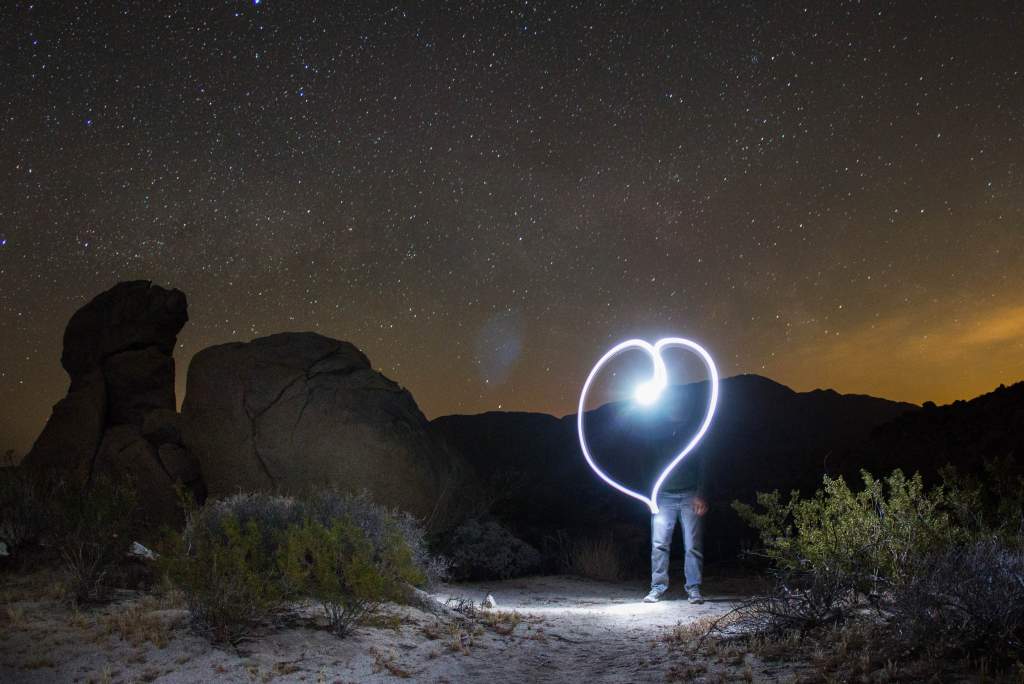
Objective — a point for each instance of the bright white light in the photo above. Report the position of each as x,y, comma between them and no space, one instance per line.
646,394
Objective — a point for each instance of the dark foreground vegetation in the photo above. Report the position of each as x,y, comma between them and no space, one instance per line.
885,577
887,581
238,563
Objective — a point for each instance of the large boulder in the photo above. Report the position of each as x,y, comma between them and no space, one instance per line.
295,411
119,414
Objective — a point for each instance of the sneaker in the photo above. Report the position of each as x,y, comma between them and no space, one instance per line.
653,597
693,595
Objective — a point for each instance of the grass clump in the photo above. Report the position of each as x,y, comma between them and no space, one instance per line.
596,558
136,625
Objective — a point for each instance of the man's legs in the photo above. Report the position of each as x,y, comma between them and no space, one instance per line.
693,538
663,523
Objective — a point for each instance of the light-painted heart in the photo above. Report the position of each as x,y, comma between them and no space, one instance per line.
647,393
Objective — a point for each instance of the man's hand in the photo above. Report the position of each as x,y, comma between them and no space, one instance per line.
700,506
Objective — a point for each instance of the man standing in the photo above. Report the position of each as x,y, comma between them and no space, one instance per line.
681,498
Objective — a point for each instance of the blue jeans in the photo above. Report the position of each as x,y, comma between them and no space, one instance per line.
672,506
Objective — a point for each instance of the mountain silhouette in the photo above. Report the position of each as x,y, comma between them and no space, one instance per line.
964,434
764,436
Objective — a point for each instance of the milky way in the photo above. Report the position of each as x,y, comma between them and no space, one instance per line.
485,196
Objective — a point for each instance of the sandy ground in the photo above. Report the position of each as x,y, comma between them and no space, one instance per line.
586,630
544,629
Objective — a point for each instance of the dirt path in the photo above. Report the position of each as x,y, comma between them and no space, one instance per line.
590,631
544,629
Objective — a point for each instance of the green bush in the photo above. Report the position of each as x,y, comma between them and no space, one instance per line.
868,536
947,563
989,503
378,524
338,566
241,558
227,572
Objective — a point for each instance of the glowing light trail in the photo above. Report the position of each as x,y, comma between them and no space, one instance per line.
647,393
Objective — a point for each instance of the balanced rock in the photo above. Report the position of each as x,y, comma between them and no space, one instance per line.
295,411
131,315
119,414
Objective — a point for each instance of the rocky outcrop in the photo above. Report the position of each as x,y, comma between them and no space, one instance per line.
119,414
295,411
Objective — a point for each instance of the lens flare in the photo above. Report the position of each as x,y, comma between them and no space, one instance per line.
647,393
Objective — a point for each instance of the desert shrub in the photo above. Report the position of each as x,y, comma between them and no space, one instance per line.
833,551
483,549
856,538
227,571
947,562
225,564
987,504
967,598
339,566
270,514
91,528
86,529
26,497
379,524
241,558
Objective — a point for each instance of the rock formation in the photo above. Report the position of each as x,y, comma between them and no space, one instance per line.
294,411
119,414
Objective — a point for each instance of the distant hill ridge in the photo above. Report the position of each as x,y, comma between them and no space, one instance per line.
764,436
964,434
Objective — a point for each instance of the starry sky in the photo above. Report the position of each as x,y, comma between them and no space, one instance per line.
485,196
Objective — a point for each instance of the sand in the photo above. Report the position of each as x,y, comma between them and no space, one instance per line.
544,629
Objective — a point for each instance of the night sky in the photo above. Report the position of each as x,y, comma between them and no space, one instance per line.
486,196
